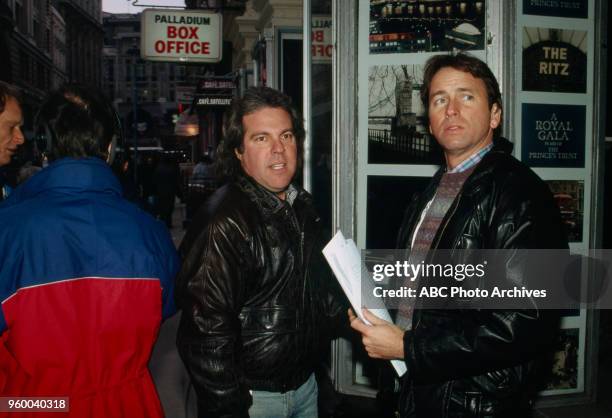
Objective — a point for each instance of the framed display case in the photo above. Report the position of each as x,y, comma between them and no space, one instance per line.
545,61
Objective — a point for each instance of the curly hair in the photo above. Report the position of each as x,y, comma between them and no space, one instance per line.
468,64
254,99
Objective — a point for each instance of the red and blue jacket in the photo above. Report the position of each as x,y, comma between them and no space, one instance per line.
85,280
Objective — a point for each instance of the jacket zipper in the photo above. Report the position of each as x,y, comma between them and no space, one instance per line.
304,269
293,215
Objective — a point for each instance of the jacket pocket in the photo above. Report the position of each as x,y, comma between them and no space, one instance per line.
268,320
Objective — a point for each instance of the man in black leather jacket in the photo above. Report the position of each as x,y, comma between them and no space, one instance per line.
471,362
257,304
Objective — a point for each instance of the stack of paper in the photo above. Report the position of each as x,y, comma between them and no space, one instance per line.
345,261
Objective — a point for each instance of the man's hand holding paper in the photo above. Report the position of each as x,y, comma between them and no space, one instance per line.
382,339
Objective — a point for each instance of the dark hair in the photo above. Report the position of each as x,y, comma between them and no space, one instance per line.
76,122
254,99
8,91
466,63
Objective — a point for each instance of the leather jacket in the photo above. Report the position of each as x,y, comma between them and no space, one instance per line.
257,302
482,363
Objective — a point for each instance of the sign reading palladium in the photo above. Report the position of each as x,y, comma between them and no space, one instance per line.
181,36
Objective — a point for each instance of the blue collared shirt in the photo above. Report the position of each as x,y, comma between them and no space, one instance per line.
472,160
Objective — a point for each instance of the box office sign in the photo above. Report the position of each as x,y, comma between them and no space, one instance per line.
322,46
181,36
553,135
554,66
559,8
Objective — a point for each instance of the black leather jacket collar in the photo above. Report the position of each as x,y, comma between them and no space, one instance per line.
265,200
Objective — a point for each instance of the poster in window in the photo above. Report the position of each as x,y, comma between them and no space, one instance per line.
397,127
554,60
558,8
426,26
564,374
569,196
553,135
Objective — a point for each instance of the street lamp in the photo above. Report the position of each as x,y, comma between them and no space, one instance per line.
135,53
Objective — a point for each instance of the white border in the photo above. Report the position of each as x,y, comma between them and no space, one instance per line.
560,173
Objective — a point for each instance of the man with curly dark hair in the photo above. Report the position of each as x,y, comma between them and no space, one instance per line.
257,303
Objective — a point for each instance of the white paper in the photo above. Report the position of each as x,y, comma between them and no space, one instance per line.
344,259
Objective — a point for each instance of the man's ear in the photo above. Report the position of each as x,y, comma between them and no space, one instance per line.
496,113
238,154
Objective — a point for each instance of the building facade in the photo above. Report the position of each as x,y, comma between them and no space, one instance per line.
84,40
29,50
156,81
58,48
156,91
47,43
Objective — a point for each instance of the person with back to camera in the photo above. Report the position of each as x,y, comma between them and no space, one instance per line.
86,276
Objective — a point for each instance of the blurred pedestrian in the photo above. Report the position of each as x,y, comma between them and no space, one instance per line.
166,180
146,170
203,170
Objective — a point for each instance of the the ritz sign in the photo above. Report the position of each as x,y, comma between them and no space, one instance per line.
551,65
181,36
